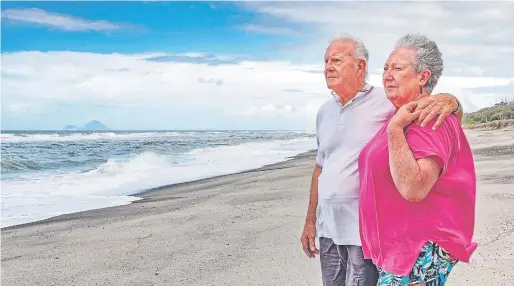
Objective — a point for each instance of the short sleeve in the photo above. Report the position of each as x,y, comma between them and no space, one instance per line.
319,154
425,142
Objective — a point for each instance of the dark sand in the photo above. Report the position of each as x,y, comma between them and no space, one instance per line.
240,229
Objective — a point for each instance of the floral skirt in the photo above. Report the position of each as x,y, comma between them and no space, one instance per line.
432,267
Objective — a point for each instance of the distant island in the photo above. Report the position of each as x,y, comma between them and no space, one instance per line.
93,125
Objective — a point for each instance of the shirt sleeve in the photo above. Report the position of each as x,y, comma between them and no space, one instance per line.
319,155
438,144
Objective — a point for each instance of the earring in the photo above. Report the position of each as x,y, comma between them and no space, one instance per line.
420,90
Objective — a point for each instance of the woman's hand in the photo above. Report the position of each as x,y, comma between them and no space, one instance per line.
404,116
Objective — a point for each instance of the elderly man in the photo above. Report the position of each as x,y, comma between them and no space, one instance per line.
344,125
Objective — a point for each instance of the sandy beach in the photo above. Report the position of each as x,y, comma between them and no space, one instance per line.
240,229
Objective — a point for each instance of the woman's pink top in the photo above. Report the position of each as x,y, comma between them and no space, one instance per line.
393,230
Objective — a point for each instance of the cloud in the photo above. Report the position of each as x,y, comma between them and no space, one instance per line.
490,95
295,90
459,32
167,94
268,110
196,58
475,37
315,70
204,90
267,30
77,86
58,21
22,108
210,80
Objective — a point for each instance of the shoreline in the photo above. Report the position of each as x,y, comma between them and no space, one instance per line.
267,167
143,195
236,229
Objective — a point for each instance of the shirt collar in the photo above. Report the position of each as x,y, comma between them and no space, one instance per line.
361,93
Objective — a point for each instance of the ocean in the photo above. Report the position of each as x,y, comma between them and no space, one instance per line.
49,173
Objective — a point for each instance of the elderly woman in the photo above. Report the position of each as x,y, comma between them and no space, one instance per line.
417,201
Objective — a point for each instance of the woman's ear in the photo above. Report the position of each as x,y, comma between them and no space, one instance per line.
425,75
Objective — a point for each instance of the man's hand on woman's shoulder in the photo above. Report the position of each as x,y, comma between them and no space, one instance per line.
440,105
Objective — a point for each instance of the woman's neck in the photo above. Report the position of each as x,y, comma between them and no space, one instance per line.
397,105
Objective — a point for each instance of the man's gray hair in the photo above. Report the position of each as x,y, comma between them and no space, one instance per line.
428,56
360,53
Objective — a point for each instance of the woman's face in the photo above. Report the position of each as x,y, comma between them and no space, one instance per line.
401,83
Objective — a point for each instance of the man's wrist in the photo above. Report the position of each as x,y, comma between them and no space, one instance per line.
458,106
310,221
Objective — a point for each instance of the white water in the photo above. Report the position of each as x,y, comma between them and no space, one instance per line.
13,138
115,181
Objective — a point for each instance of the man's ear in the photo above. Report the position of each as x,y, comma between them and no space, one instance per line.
362,66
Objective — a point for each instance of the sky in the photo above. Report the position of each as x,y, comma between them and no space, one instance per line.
226,65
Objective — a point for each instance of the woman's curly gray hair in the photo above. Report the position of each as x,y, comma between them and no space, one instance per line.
428,56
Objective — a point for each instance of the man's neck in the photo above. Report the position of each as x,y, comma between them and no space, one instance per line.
349,94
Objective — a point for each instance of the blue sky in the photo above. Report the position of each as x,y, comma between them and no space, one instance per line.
225,65
173,27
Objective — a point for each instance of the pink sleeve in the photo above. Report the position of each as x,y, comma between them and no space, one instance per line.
425,142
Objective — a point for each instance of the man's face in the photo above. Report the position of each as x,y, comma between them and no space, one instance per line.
341,68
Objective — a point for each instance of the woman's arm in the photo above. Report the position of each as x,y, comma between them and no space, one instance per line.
413,178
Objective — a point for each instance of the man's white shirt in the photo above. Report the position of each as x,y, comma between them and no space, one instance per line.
342,132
